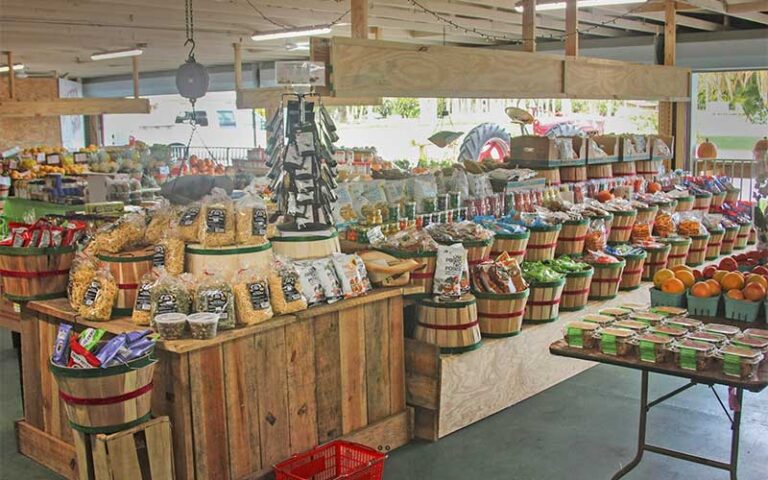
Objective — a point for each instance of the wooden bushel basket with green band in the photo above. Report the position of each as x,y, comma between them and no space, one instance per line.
606,280
228,260
306,247
106,400
35,273
451,325
512,243
501,314
544,301
128,268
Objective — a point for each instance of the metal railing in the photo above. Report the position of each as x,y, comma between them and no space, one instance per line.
741,171
222,155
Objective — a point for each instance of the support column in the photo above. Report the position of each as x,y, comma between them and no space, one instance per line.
571,28
359,18
135,71
673,116
238,66
529,25
11,75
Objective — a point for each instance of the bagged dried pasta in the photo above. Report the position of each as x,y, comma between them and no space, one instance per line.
170,294
311,286
214,295
84,268
169,252
119,235
285,288
159,219
217,222
99,297
251,220
188,223
348,272
142,307
252,303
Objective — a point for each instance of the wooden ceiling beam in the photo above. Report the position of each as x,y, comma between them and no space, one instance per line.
747,7
682,20
597,18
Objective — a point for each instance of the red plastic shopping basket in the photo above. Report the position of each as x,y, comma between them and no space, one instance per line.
336,460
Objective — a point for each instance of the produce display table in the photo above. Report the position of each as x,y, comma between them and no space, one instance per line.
250,397
709,378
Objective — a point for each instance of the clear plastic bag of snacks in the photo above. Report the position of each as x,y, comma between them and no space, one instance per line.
169,252
451,261
159,219
311,286
285,287
188,222
119,235
214,295
217,223
170,294
99,297
597,236
349,274
251,220
641,231
665,222
84,268
690,223
142,307
251,290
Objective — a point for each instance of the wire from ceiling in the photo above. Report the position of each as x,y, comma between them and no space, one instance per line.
287,26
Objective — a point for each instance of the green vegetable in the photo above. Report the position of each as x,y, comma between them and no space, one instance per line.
566,264
539,272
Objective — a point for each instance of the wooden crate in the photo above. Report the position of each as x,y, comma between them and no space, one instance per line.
655,154
609,144
144,452
251,396
531,151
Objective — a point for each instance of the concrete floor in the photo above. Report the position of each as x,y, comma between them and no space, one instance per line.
582,429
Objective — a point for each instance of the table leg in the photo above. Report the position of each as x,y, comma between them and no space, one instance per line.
641,429
735,432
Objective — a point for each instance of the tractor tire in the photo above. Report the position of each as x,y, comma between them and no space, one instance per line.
478,137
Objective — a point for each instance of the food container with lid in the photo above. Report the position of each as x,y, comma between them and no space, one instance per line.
634,325
615,312
693,355
756,332
715,339
654,348
647,317
740,362
617,341
581,335
203,325
727,330
171,326
669,311
689,324
634,307
602,320
758,343
669,331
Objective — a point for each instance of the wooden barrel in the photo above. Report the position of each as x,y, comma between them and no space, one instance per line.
742,237
698,250
603,170
606,280
685,204
576,290
478,251
512,243
544,301
228,260
451,325
732,195
128,268
106,400
571,238
633,270
35,273
752,236
678,251
543,242
647,215
729,240
715,243
621,228
648,169
624,169
655,261
702,201
501,314
717,201
550,175
422,277
573,174
306,247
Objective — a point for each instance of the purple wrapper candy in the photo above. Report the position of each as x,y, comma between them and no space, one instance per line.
135,350
61,345
110,350
136,336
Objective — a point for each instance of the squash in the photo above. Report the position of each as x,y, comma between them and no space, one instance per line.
760,151
706,150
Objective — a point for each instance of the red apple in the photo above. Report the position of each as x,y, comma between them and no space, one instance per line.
709,271
728,263
740,257
760,270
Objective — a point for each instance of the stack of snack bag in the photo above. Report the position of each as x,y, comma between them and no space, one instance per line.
89,349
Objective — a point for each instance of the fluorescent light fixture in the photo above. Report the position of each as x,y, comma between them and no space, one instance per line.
581,4
298,46
135,52
16,67
291,33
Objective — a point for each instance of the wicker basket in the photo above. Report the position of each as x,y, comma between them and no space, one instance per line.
633,271
647,215
571,238
732,195
576,290
715,243
685,204
648,169
717,201
698,250
512,243
422,277
678,252
605,282
702,201
603,170
655,261
743,237
729,240
621,229
550,175
499,314
573,174
452,326
542,243
544,301
752,236
624,169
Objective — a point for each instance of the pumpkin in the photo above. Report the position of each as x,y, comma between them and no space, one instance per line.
706,150
760,151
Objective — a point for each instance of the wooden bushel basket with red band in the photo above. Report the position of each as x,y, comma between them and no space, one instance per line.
606,280
543,242
572,237
128,268
514,244
501,314
35,273
621,228
678,251
698,250
451,325
576,291
632,274
656,260
544,301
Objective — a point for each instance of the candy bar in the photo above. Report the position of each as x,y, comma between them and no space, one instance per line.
135,336
80,357
110,350
61,345
90,337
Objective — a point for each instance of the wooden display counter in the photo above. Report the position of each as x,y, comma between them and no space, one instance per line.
450,392
250,397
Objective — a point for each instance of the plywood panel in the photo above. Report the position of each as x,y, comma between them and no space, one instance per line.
28,132
396,355
594,78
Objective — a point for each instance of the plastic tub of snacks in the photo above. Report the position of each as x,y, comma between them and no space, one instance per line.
171,326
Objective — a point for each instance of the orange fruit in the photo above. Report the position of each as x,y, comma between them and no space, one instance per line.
661,276
754,291
674,286
719,274
732,281
735,294
677,268
701,290
714,286
686,277
759,279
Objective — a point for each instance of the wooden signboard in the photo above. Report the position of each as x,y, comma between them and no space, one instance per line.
72,106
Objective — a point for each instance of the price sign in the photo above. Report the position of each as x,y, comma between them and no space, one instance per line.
40,158
53,159
81,157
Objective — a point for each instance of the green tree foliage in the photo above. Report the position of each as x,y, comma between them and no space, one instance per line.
405,107
747,89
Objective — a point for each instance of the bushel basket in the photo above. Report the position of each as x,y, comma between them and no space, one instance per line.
542,243
544,301
35,273
621,228
512,243
576,291
606,280
451,325
678,251
572,237
421,277
501,314
633,271
729,240
715,243
697,250
127,268
655,261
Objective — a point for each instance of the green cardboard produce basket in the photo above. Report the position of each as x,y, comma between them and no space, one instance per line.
744,310
703,307
662,299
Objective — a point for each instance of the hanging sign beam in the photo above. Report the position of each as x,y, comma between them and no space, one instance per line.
375,68
72,106
271,97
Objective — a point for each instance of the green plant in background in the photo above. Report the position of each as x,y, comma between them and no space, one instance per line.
748,89
405,107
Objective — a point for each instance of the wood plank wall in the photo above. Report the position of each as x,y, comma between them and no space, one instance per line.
30,131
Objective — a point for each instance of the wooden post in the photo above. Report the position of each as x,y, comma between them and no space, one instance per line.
670,33
238,66
571,28
11,75
529,25
668,121
359,18
135,65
